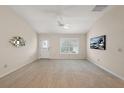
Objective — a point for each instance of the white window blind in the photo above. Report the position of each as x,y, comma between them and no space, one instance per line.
69,45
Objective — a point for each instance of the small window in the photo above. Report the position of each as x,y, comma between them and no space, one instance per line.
69,46
45,44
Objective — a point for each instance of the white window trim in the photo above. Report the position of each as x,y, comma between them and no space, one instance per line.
69,39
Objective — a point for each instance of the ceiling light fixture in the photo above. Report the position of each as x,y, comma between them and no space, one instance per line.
67,26
61,23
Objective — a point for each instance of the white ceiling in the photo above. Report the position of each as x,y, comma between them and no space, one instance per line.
43,18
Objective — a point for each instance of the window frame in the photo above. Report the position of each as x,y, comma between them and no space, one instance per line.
78,44
45,42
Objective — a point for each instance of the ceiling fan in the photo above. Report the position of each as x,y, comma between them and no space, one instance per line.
61,23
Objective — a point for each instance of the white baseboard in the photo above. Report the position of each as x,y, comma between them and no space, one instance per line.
10,71
13,70
106,69
62,58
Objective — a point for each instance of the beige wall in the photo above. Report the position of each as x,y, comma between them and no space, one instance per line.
111,25
54,40
12,25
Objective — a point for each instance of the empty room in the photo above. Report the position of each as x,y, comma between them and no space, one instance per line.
61,46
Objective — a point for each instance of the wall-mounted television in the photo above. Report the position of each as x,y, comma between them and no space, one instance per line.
98,42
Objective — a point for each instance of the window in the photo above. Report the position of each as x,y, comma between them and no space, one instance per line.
69,46
45,44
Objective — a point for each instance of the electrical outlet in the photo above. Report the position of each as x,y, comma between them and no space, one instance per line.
5,66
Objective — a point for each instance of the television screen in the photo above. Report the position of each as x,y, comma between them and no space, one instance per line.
98,42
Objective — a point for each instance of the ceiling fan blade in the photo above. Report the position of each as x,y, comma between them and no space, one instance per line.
59,23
